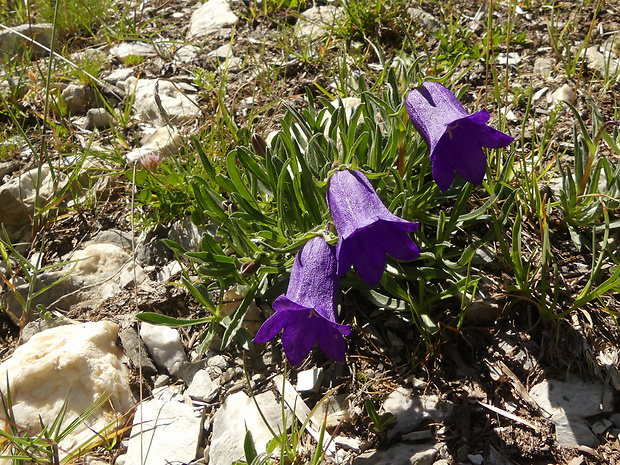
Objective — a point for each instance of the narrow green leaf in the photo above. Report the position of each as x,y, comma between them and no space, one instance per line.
158,319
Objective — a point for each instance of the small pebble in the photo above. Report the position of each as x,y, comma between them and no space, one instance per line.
218,361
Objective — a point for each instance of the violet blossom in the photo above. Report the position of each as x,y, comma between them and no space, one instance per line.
454,137
368,231
306,313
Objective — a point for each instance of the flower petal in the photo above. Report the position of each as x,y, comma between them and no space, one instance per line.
369,261
365,227
399,245
455,138
443,171
464,154
270,328
300,335
331,341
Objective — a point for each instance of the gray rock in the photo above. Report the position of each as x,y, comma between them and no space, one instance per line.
187,234
573,396
116,237
615,419
418,436
225,51
309,380
202,387
99,118
77,97
399,454
231,420
120,75
600,426
57,288
508,59
217,361
17,200
156,145
316,21
572,431
186,54
176,99
496,458
37,326
9,166
561,94
187,370
411,410
603,65
136,351
137,49
163,432
155,252
164,344
484,311
543,66
130,278
214,17
569,402
12,42
169,271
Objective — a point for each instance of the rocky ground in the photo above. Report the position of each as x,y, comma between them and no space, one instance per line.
507,388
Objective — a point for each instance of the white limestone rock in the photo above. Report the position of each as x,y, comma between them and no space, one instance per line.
202,387
411,410
603,64
118,76
77,97
316,21
177,100
164,344
159,144
213,17
17,199
543,67
562,94
309,380
237,415
163,432
137,49
169,271
78,362
570,402
106,266
99,118
90,276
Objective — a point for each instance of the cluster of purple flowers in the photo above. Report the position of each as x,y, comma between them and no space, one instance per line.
368,231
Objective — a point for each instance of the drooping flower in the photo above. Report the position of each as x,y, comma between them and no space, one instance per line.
306,313
454,137
366,228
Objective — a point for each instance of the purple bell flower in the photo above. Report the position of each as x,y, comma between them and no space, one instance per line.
367,229
454,137
306,313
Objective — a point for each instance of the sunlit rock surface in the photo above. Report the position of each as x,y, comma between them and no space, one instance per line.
80,363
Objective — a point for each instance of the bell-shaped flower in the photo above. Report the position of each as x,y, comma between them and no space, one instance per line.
366,228
306,313
454,137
